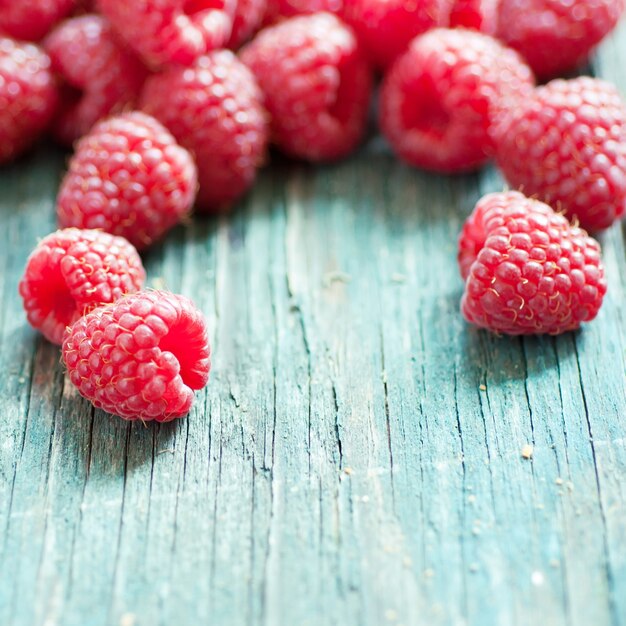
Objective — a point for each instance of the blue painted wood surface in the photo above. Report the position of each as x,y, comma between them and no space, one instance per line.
357,456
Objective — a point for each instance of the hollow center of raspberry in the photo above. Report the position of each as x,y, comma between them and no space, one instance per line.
424,110
187,342
342,108
54,300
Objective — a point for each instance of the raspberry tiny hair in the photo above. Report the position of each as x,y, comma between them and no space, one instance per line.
98,74
385,28
556,36
30,20
165,32
28,96
527,270
566,145
141,357
317,85
215,109
440,98
128,177
72,271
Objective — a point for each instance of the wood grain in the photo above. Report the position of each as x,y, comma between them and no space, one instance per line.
356,458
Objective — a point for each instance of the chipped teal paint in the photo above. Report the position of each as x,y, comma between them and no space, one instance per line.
356,457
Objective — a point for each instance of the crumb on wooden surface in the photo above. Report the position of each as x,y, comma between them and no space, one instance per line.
527,451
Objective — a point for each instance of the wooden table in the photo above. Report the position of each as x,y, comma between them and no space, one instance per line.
357,456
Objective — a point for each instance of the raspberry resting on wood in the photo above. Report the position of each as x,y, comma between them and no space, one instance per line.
140,358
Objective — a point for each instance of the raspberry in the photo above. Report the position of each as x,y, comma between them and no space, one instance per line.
247,21
566,144
280,9
163,32
72,271
479,15
30,20
28,97
99,75
527,270
386,27
440,97
141,357
317,85
214,108
556,36
130,178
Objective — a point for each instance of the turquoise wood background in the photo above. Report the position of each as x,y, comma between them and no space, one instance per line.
356,458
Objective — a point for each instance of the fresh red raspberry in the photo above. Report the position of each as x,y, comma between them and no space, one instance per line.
481,15
566,144
164,32
527,270
280,9
99,76
214,108
556,36
128,177
441,96
30,20
71,272
316,83
386,27
28,96
247,21
141,357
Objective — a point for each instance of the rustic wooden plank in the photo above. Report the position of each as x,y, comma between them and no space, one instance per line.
356,458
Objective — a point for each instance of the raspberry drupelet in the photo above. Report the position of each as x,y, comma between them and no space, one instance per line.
30,20
481,15
280,9
140,358
165,32
214,109
385,28
247,21
526,269
98,74
317,85
440,98
566,144
556,36
28,96
72,271
128,177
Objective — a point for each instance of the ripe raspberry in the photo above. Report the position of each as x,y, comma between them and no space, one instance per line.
481,15
72,271
317,85
128,177
163,32
214,108
141,357
556,36
280,9
30,20
527,270
28,97
247,21
386,27
566,144
99,75
440,98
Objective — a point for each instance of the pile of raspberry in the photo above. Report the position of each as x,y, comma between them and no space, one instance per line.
171,106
